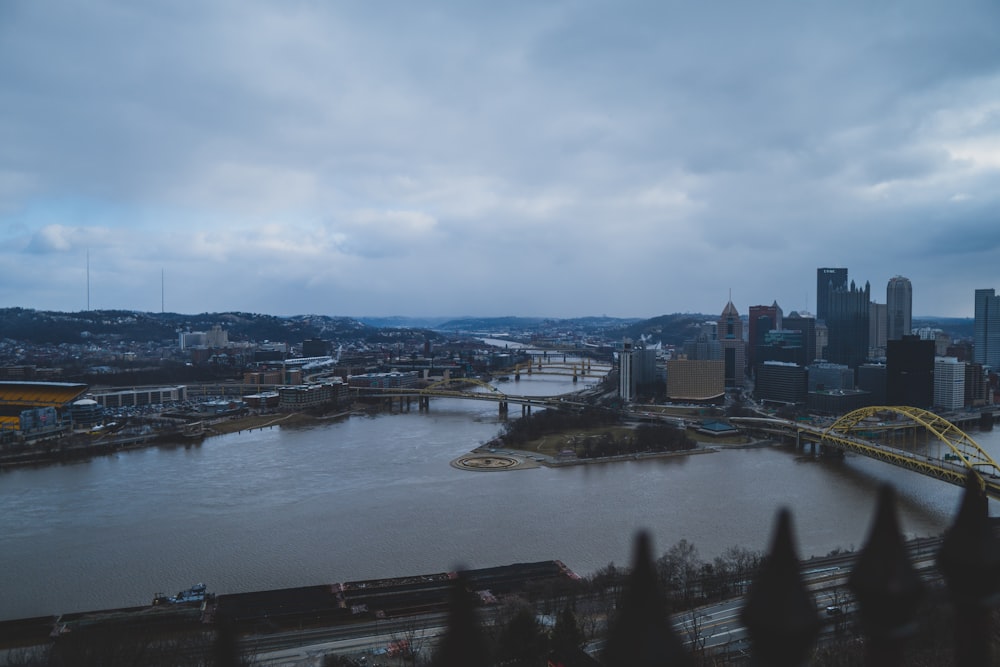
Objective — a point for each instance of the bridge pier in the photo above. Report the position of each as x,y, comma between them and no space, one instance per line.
423,403
832,452
525,410
503,409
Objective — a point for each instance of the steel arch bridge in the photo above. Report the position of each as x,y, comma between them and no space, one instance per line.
853,432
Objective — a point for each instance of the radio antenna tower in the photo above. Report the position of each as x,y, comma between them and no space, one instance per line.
161,291
88,279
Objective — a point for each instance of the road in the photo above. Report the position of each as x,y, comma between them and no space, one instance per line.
714,627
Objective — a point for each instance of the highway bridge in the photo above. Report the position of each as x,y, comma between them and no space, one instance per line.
579,368
906,437
472,390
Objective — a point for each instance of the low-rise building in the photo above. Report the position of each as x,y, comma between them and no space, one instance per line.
696,379
140,396
837,402
300,397
830,377
391,380
780,382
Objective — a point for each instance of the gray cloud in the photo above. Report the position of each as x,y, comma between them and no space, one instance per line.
564,158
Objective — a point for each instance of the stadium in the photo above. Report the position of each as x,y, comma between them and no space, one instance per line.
33,410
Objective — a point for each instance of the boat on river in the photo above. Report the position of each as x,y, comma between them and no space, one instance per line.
194,594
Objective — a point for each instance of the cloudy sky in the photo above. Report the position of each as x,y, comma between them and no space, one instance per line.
515,158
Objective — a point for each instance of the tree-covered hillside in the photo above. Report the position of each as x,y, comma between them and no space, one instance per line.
48,327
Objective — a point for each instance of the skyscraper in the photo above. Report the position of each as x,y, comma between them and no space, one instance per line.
761,320
986,332
847,325
877,335
732,345
828,280
909,364
626,378
899,303
807,325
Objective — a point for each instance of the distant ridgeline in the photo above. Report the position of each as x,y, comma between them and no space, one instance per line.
52,327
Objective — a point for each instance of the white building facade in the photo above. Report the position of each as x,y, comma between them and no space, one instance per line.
949,383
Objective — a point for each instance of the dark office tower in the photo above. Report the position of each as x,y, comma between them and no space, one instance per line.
909,369
782,383
783,345
975,385
828,280
732,345
986,332
872,378
847,325
761,320
807,325
899,306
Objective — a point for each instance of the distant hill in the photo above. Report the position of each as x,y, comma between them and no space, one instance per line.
509,324
50,327
956,327
595,325
400,322
666,329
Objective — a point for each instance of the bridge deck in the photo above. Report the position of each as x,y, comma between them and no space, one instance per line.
961,453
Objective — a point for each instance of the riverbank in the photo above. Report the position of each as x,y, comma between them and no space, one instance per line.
255,422
78,447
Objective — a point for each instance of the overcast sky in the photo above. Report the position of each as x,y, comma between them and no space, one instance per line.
511,158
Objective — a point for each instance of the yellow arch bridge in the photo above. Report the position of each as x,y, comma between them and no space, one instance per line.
906,437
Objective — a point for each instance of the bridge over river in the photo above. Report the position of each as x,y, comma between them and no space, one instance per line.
473,390
907,437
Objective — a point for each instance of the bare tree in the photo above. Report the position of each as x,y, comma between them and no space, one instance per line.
693,623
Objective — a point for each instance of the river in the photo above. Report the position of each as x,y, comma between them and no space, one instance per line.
376,496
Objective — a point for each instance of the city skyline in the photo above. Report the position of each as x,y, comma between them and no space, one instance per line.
557,160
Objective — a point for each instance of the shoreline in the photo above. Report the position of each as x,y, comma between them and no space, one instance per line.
484,458
47,454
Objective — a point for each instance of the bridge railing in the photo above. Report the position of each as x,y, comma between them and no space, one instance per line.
780,614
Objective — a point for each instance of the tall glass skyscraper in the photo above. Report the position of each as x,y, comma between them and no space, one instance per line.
899,306
828,280
847,323
986,334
